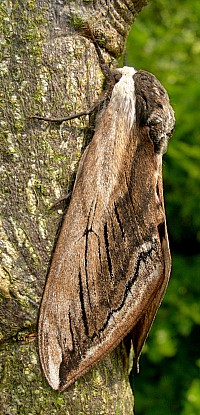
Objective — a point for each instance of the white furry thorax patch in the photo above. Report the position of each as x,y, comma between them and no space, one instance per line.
123,98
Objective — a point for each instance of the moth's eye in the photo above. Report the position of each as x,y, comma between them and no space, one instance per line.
117,77
169,134
116,74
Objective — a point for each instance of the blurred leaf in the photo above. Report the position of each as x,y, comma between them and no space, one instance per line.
192,404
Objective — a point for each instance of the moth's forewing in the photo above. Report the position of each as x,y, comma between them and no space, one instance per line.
110,261
141,329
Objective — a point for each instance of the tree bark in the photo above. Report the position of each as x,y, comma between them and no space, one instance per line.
48,68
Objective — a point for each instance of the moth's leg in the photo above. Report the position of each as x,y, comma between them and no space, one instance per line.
110,82
72,116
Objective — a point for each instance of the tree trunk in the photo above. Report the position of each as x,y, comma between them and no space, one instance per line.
48,68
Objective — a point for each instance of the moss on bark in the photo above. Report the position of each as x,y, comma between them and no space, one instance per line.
47,68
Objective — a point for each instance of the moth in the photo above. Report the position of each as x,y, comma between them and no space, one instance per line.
111,265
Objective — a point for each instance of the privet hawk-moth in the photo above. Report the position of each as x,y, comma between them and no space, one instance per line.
112,261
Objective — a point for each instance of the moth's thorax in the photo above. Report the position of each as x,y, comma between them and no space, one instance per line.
123,99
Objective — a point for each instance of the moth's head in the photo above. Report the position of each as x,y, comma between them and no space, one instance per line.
153,109
125,71
145,102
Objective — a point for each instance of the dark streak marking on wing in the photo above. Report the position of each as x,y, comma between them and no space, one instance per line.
142,257
107,250
81,296
118,220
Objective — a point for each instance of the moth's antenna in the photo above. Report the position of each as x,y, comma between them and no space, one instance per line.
125,58
87,32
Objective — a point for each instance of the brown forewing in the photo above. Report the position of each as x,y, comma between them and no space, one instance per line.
111,264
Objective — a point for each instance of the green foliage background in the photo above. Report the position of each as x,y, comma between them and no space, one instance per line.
165,40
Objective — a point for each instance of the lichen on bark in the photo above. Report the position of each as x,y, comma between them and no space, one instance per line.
48,68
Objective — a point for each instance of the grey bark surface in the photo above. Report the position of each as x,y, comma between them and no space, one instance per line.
48,68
